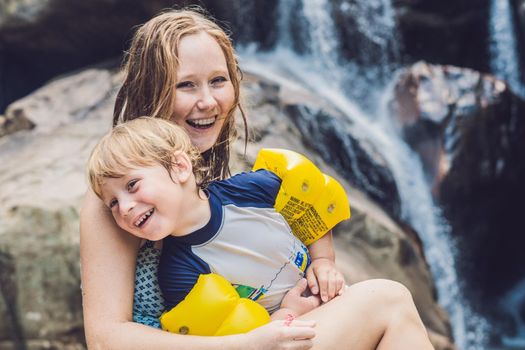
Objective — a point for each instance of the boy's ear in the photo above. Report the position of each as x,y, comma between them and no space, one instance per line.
183,169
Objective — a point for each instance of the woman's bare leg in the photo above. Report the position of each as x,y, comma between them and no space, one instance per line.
374,314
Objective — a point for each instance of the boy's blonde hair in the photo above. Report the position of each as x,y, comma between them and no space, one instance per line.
141,142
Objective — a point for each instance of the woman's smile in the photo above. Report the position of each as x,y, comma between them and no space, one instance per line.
204,123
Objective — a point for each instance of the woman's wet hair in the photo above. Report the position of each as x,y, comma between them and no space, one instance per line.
151,76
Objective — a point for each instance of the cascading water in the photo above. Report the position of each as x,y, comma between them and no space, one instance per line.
375,58
505,65
511,304
503,46
323,70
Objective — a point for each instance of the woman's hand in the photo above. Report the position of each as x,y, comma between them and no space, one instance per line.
281,334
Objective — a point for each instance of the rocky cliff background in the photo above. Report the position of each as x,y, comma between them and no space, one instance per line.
58,78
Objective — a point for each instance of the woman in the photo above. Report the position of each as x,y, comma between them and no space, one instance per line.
182,66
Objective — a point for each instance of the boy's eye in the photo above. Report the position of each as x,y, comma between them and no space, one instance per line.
131,185
184,84
112,203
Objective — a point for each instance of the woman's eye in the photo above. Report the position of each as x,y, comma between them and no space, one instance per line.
131,185
185,85
218,80
112,203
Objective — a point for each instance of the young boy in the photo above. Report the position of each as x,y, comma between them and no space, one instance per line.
147,172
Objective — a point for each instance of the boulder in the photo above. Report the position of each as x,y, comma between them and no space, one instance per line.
469,130
454,33
42,39
42,185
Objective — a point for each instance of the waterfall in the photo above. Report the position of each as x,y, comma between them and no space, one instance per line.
321,68
312,23
512,303
504,47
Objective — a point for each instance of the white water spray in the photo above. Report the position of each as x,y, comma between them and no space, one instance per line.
503,46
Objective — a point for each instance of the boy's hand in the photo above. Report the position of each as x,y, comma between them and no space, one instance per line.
324,279
295,303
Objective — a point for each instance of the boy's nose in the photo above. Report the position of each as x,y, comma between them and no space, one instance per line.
126,207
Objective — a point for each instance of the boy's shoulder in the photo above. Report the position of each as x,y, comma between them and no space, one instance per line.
254,188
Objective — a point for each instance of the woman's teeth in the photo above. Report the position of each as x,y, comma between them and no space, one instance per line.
143,218
201,123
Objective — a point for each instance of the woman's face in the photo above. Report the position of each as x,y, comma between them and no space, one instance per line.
204,93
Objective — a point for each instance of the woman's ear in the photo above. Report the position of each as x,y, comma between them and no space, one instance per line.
182,169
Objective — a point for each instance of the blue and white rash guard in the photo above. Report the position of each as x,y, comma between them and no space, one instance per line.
246,241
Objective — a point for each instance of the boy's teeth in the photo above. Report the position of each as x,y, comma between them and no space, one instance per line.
143,217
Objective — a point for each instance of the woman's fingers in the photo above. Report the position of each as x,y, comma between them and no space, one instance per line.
300,344
280,335
299,323
299,336
299,331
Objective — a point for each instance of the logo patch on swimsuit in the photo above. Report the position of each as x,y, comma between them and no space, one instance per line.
302,259
250,292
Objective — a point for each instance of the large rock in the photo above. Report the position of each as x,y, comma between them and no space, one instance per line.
445,32
469,130
40,39
42,181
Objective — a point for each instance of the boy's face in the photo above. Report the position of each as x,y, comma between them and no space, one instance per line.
146,202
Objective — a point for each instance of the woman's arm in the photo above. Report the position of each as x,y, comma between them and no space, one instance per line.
108,258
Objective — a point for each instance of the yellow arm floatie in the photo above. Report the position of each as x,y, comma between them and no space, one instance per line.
311,202
213,307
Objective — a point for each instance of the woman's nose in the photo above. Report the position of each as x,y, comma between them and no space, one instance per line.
206,100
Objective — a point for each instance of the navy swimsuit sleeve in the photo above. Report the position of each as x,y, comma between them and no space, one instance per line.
254,189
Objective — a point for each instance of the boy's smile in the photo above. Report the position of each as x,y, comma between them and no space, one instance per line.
151,203
144,218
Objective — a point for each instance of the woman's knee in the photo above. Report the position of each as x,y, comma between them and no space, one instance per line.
381,293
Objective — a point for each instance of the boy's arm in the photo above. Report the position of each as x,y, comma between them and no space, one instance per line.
322,275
